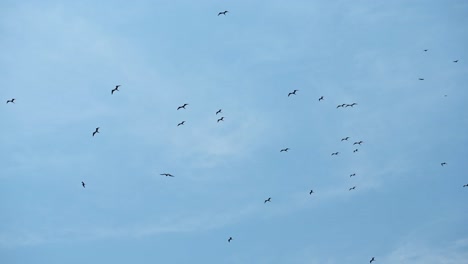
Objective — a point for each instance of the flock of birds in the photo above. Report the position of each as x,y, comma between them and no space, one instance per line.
268,200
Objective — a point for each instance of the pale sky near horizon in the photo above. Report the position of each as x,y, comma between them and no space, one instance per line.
61,59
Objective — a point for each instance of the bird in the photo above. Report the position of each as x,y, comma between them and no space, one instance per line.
293,92
84,185
96,131
223,13
356,150
353,104
421,79
335,153
352,188
115,89
352,175
466,185
311,192
182,106
358,142
372,259
443,163
221,119
219,111
425,50
267,200
346,138
341,105
11,101
167,174
321,98
284,150
181,123
455,61
230,238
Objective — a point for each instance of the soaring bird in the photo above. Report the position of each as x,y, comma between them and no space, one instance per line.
293,92
346,138
11,101
421,79
352,188
230,238
218,112
223,13
466,185
341,105
335,153
372,259
443,163
84,185
352,175
353,104
182,106
167,174
115,89
181,123
284,150
358,142
455,61
221,119
425,50
356,150
267,200
311,192
96,131
321,98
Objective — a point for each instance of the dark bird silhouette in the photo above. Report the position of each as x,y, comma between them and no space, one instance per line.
443,163
421,79
223,13
11,101
96,131
356,150
352,188
321,98
167,174
181,123
353,104
230,238
358,142
335,153
218,112
83,184
455,61
466,185
115,89
182,106
352,175
221,119
293,92
267,200
346,138
311,192
284,150
372,260
425,50
341,105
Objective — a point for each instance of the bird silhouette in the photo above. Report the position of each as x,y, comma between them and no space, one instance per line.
115,89
443,163
358,142
353,104
321,98
356,150
293,92
284,150
230,238
346,138
335,153
372,260
182,106
352,188
11,101
267,200
421,79
221,119
425,50
455,61
96,131
83,184
223,13
466,185
311,192
181,123
352,175
219,111
167,174
341,105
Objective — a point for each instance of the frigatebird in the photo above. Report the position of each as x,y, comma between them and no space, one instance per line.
182,106
115,89
267,200
372,260
223,13
167,174
11,101
443,163
466,185
321,98
96,131
284,150
230,238
358,142
293,92
311,192
83,184
181,123
352,175
455,61
421,79
335,153
221,119
219,111
346,138
352,188
425,50
356,150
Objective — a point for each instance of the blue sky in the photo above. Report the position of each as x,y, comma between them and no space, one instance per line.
60,60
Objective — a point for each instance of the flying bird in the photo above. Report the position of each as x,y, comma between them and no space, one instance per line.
267,200
223,13
83,184
341,105
311,192
352,188
230,238
293,92
321,98
425,50
335,153
358,142
11,101
352,175
167,174
219,111
356,150
372,259
115,89
346,138
353,104
96,131
221,119
455,61
421,79
181,123
284,150
182,106
466,185
443,163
